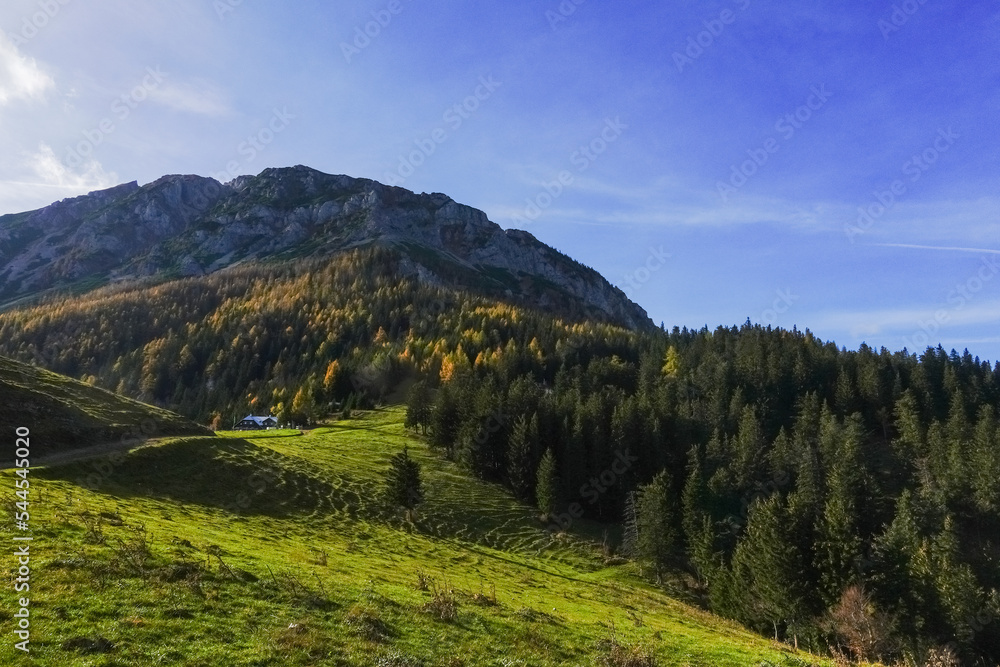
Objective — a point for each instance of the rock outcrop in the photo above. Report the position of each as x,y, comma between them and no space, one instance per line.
188,225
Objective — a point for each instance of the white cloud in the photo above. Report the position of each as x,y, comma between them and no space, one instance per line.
54,173
912,246
42,179
906,321
199,97
20,76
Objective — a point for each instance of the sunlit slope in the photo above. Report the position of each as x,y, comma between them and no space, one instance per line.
278,551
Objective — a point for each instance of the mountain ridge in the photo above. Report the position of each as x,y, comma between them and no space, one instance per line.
186,225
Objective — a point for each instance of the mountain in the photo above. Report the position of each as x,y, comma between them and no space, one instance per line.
63,414
182,226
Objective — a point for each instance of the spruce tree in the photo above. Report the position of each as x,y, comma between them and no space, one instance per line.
521,449
985,467
770,568
657,538
445,421
547,486
403,483
838,544
419,407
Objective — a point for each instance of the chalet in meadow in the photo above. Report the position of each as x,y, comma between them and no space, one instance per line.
253,423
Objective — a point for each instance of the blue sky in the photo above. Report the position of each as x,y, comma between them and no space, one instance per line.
829,165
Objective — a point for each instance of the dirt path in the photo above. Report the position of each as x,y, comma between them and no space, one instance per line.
94,451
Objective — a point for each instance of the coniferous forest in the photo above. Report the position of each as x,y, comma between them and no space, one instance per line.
845,500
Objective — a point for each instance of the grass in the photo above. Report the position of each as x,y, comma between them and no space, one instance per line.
64,414
276,550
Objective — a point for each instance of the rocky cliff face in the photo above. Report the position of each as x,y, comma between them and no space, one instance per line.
189,225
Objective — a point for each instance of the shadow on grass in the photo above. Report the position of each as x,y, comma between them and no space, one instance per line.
226,473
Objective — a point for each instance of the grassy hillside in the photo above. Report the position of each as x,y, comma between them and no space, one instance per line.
64,414
277,551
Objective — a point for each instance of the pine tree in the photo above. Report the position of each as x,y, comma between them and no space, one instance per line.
838,544
403,483
303,404
419,407
772,566
521,449
896,577
672,363
547,486
445,421
960,597
985,468
657,538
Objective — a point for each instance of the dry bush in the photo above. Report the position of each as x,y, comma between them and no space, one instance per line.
302,637
484,599
367,625
944,656
618,655
424,581
443,604
864,630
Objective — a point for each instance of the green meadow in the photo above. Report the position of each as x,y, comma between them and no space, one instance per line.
278,550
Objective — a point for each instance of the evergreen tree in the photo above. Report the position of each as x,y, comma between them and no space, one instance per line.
838,545
657,539
896,575
521,447
985,464
419,407
403,483
547,486
445,420
771,569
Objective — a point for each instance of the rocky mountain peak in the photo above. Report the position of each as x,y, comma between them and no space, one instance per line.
191,225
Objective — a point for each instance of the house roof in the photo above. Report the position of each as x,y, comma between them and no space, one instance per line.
258,420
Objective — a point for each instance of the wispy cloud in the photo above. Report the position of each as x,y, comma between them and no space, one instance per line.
978,251
20,76
51,181
54,173
197,97
903,321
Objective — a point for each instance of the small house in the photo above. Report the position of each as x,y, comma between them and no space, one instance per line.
255,423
